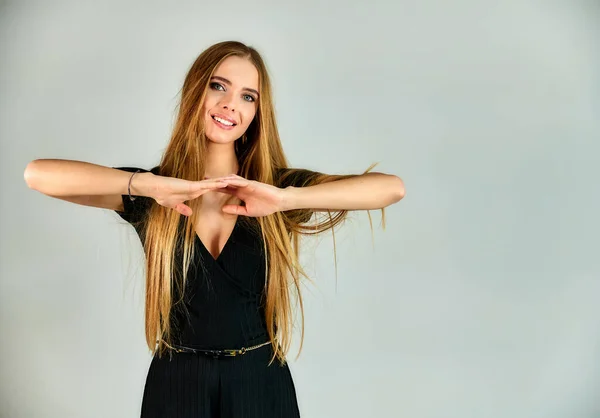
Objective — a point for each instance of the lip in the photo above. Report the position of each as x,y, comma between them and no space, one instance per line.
219,115
220,125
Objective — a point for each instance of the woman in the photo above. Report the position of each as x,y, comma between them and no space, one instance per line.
218,298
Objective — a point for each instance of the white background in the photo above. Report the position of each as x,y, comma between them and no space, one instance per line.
480,299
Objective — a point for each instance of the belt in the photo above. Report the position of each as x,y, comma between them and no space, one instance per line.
217,353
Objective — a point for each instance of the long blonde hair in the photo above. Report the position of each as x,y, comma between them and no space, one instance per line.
260,158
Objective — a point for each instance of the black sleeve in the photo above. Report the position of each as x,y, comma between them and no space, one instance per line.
134,211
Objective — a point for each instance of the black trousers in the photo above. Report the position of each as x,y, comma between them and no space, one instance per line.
191,385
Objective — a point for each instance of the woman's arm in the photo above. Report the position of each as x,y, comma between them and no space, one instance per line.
365,192
67,178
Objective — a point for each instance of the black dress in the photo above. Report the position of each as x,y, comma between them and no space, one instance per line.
225,301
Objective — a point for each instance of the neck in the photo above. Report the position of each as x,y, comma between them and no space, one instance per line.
220,160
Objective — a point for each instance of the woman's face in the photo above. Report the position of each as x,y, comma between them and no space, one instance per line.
231,100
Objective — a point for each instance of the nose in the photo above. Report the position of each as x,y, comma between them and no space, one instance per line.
227,102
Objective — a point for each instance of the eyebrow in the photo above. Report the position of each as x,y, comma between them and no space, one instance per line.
224,80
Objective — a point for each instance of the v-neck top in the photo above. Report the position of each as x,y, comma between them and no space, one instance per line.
225,296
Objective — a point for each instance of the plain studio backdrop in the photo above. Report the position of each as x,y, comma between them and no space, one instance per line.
480,299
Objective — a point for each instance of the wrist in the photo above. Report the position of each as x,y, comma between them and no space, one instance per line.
141,184
289,199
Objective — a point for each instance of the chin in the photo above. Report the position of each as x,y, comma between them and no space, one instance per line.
221,139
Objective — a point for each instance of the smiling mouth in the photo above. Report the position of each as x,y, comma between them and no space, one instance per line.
223,121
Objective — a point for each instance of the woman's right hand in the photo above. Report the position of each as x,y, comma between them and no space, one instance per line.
171,192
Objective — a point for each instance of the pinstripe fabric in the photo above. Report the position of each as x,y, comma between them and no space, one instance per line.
190,385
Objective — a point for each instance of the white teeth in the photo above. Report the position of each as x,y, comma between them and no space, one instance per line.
223,121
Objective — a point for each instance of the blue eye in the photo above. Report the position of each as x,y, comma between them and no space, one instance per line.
219,87
216,86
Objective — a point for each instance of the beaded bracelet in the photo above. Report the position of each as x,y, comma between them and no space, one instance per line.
129,187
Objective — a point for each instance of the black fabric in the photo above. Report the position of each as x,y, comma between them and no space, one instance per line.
224,298
134,211
197,386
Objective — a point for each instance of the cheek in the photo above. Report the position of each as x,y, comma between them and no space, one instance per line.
204,110
249,116
209,103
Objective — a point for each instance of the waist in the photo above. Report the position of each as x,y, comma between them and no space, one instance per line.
217,353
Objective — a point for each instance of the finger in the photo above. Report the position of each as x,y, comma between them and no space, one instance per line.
184,209
235,210
230,188
197,193
237,182
199,189
208,184
216,178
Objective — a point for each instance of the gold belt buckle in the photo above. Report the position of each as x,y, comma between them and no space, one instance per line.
233,353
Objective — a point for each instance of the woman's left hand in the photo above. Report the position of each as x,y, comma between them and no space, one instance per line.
260,199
